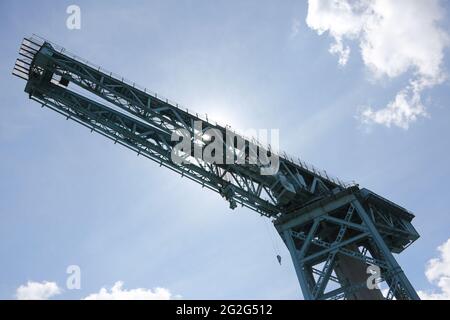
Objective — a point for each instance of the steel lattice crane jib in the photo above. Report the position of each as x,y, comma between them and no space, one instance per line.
335,232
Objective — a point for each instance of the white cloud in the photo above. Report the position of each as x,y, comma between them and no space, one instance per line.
118,293
45,290
438,272
37,291
402,111
341,19
395,37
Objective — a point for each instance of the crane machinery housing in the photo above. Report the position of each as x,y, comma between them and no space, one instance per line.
338,234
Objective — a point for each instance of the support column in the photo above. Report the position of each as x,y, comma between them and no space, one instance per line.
405,290
324,248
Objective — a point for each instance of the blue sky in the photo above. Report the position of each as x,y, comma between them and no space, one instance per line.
72,197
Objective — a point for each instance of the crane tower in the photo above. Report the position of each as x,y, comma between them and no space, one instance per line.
339,235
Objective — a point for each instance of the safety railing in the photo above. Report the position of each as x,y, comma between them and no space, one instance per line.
38,40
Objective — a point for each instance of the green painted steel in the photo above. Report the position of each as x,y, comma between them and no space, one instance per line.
333,230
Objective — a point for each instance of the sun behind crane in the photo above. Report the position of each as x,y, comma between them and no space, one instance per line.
339,236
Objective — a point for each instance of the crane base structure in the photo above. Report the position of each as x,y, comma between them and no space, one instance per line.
341,237
335,244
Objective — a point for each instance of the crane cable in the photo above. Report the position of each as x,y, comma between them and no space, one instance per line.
273,241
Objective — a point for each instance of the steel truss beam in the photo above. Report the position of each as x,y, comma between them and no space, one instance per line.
318,254
333,230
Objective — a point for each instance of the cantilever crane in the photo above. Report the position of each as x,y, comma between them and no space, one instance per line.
333,231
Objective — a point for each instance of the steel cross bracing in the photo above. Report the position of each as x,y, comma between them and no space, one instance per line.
141,121
241,184
334,238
